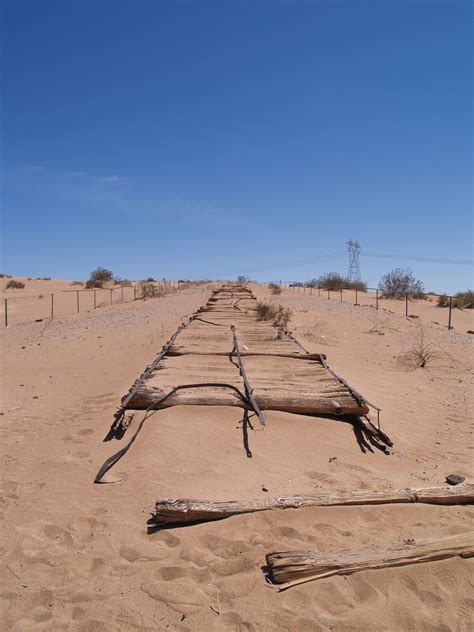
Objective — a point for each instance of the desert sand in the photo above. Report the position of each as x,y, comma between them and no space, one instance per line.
78,557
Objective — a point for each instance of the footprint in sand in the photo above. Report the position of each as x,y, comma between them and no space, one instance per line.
54,532
170,573
79,437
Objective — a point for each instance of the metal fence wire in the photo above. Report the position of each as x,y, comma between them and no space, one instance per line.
39,307
406,305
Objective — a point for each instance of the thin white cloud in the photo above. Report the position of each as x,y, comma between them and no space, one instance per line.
112,179
34,168
78,174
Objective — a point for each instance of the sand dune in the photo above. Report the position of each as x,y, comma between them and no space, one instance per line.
77,556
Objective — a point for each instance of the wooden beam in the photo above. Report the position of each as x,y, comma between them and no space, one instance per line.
182,511
290,568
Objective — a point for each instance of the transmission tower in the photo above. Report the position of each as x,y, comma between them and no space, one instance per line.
354,270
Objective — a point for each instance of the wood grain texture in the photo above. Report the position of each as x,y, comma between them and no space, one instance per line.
289,568
170,511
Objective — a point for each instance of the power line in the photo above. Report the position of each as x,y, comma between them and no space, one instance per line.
286,264
336,256
464,262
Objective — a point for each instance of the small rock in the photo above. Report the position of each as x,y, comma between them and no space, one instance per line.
263,488
454,479
470,331
35,397
332,458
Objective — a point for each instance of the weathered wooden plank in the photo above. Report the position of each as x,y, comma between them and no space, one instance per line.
311,403
289,568
170,511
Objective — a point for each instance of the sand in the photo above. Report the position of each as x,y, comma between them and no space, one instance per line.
77,556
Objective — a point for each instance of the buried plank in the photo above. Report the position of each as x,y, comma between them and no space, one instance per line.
304,403
172,511
290,568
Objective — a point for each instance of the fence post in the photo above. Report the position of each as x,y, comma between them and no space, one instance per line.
406,304
450,310
356,298
121,294
77,300
341,296
111,300
329,294
6,312
52,305
134,292
376,299
95,299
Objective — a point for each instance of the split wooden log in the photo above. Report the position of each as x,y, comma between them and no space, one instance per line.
308,402
182,511
290,568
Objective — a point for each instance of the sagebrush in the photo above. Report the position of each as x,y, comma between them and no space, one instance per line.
147,289
274,288
15,285
280,315
399,283
99,277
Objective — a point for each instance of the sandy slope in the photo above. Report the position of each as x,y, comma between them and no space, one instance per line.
77,556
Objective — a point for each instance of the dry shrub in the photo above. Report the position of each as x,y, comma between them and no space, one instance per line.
280,316
398,283
420,350
15,285
274,288
99,277
282,319
148,290
379,322
266,311
464,300
77,283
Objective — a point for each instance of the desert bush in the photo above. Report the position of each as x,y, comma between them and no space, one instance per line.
15,285
282,319
335,281
398,283
147,289
420,350
274,288
150,280
242,279
77,283
280,315
464,300
266,311
99,277
443,300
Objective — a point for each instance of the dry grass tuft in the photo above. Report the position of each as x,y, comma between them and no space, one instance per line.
420,350
15,285
147,289
274,288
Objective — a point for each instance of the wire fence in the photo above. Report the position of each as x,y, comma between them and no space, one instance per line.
440,309
47,305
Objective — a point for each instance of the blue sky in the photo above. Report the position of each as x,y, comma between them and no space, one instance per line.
187,139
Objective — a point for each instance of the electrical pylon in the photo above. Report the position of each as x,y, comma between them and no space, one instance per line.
354,269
